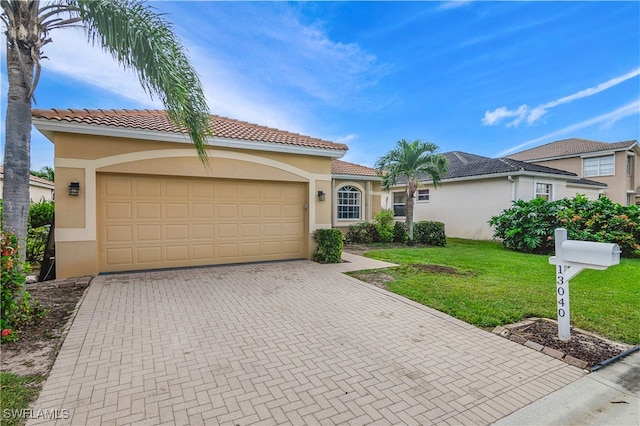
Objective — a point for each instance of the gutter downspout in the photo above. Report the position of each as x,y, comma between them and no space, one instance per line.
513,187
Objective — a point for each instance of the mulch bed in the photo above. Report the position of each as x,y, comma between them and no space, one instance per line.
584,349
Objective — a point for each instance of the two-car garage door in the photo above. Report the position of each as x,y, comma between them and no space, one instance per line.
148,222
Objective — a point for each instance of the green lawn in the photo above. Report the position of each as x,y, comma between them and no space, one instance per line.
495,286
16,394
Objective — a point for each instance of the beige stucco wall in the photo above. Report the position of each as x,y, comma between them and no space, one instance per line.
81,157
618,184
466,206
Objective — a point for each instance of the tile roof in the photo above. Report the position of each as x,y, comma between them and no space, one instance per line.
463,164
157,120
587,182
32,178
570,147
339,167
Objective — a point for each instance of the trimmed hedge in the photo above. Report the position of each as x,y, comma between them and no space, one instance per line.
430,233
329,249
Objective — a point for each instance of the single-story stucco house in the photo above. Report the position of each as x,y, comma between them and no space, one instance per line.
476,188
145,200
39,189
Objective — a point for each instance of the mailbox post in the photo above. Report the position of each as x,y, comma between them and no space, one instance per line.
570,259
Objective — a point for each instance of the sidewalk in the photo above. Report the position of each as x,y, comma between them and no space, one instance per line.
609,396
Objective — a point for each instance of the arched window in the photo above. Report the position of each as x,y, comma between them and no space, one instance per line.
349,203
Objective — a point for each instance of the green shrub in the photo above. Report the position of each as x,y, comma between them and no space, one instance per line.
529,226
329,245
41,213
16,306
430,233
383,221
400,233
362,233
37,243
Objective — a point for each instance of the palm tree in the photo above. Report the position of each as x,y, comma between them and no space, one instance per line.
135,35
411,161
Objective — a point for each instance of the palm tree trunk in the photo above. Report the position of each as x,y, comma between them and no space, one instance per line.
18,145
411,190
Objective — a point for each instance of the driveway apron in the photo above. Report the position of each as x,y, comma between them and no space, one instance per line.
281,343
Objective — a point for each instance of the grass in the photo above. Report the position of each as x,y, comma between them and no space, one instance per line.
16,394
494,286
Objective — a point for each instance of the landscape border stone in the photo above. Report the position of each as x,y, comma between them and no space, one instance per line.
507,331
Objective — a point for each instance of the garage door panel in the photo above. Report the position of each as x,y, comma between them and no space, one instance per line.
158,221
149,255
202,211
227,211
118,188
203,252
148,189
149,233
118,211
148,211
177,211
176,189
177,232
249,211
119,256
119,233
178,253
202,231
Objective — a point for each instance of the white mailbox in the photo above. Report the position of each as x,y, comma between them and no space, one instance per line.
590,253
571,258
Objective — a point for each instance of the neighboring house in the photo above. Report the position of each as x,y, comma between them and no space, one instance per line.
476,188
616,164
356,194
39,189
146,200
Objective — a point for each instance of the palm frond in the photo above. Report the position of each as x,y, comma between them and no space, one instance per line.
141,40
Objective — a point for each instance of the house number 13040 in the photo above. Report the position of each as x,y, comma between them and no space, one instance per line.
562,292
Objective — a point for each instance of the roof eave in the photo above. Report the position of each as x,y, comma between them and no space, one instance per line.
47,127
354,177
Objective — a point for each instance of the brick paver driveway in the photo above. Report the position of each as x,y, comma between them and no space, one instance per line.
276,343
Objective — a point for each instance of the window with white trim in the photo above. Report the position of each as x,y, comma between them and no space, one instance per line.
400,203
598,166
629,165
349,203
422,195
543,190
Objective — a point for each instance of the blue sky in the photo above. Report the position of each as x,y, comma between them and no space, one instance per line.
487,78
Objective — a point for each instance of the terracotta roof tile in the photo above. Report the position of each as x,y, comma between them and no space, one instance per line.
339,167
569,147
157,120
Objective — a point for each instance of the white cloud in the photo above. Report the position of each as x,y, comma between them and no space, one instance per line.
531,115
606,120
448,5
74,58
346,139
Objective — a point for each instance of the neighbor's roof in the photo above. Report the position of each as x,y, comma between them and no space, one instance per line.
38,181
158,121
339,167
463,164
570,148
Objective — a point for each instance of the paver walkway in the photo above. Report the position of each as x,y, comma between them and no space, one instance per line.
282,343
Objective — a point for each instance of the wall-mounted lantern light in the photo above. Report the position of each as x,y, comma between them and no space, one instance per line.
321,195
74,189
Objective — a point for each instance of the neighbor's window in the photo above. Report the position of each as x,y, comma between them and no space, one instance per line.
629,165
598,166
422,195
400,203
543,190
348,203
